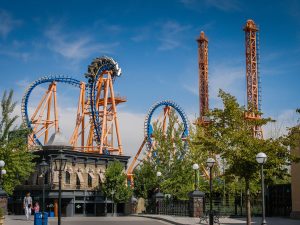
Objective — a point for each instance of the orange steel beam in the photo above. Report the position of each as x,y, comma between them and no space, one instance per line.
130,168
166,113
82,88
46,129
106,85
40,104
114,109
251,66
252,75
48,118
43,109
55,109
81,109
203,74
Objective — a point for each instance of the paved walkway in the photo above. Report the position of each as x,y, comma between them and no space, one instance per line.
148,220
226,221
122,220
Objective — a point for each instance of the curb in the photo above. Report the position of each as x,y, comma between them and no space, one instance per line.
161,219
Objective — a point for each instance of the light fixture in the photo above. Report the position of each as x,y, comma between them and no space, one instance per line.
261,158
210,162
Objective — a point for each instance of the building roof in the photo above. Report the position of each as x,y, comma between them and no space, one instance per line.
58,139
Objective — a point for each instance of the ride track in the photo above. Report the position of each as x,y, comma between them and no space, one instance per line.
96,85
148,132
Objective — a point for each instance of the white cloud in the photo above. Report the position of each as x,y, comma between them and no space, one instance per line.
227,5
223,5
286,118
24,56
143,34
8,23
224,75
75,46
171,35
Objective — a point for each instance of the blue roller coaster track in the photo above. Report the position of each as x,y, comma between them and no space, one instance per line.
42,80
148,129
96,69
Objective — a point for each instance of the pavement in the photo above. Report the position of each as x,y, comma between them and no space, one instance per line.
146,220
177,220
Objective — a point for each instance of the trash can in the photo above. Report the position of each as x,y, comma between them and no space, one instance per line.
39,220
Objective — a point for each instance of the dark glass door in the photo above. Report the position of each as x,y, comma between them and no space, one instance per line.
78,208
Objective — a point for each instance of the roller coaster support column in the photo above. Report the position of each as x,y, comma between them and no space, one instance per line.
115,116
104,122
81,111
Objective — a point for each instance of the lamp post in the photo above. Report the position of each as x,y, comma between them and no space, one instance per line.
158,174
59,165
113,202
196,168
43,168
210,163
261,158
2,172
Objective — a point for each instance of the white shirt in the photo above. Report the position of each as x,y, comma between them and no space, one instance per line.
27,201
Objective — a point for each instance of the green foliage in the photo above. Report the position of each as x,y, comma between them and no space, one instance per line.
293,137
230,136
115,180
1,212
7,120
145,180
13,147
170,158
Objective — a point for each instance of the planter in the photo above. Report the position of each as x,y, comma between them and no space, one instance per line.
2,220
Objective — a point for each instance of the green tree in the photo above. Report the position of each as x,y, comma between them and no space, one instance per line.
115,186
230,135
170,157
145,180
13,146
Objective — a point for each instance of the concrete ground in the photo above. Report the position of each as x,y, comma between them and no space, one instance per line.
149,220
128,220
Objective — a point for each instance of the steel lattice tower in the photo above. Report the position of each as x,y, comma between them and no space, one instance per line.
252,74
203,75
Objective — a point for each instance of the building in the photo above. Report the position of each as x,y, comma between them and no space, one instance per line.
295,180
81,181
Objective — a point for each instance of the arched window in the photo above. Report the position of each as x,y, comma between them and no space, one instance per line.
77,180
68,177
90,180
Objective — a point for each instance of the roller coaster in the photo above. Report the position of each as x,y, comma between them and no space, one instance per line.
167,106
96,117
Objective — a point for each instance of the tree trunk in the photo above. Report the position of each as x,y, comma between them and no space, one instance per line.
248,203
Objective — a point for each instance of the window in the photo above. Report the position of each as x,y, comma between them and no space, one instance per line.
77,180
68,177
90,180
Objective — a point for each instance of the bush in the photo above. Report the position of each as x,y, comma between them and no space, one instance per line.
1,212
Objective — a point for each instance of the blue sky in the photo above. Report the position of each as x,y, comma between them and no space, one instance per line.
154,44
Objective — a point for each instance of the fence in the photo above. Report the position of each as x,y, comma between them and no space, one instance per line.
168,207
230,206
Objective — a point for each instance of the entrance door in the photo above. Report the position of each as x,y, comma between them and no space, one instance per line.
79,208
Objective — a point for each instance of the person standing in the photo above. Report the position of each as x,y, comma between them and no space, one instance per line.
27,205
36,208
